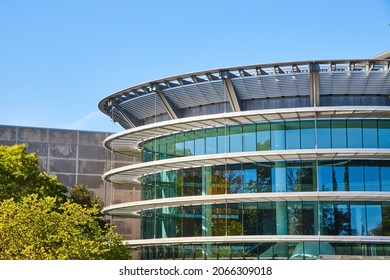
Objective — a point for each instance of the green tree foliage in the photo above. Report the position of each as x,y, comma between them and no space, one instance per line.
36,228
80,194
20,176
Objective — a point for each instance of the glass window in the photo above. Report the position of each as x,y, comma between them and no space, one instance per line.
223,139
211,141
339,134
309,218
171,149
249,137
386,218
263,137
235,133
179,145
235,179
308,177
323,134
385,178
342,218
266,214
278,136
200,142
358,218
163,148
340,177
374,218
371,178
250,178
307,135
384,133
354,134
370,136
294,218
293,171
264,178
327,218
189,144
325,171
293,137
355,178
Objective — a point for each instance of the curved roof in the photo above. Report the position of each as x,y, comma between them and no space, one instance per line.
173,97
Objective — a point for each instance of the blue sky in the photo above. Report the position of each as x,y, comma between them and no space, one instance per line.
58,59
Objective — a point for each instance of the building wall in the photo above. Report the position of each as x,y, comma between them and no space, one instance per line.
77,157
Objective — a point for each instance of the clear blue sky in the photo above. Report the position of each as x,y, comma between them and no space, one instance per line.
59,58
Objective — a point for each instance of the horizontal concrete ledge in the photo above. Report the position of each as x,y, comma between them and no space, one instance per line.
126,142
129,174
257,238
133,209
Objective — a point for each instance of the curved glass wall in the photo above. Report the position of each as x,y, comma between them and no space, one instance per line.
284,176
277,135
335,218
266,250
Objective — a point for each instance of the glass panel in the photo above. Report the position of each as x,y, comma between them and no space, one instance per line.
339,134
355,178
264,178
374,218
179,145
342,218
294,218
307,135
263,137
211,141
234,219
199,142
340,177
223,140
354,134
293,171
370,136
384,133
327,218
266,214
323,135
293,137
371,177
385,178
278,141
358,218
235,179
309,218
325,182
249,137
163,148
218,226
171,149
235,138
386,218
250,178
189,143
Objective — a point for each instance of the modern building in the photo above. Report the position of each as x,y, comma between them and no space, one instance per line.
269,161
76,156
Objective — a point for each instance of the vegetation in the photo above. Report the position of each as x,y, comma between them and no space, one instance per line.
38,220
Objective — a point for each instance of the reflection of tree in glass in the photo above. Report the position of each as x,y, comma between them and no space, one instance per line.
263,146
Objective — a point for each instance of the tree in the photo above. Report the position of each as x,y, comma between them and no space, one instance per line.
20,176
80,194
36,228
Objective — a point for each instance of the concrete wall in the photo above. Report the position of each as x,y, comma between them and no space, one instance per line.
77,157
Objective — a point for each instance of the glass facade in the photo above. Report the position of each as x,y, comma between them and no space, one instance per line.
273,218
256,177
304,174
286,135
265,250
